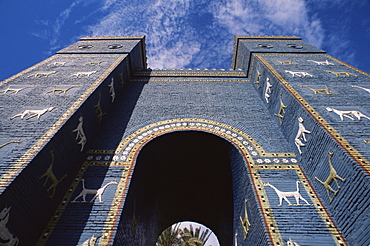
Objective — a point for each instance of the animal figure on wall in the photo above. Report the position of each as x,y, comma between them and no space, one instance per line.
57,64
60,90
286,62
268,90
91,241
284,195
49,175
345,74
99,110
366,89
32,113
245,221
93,63
281,110
39,75
111,90
348,113
325,91
5,144
291,243
6,238
299,74
333,176
96,192
301,135
258,78
14,91
83,74
80,133
326,62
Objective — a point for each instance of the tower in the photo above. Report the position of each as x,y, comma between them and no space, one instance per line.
99,148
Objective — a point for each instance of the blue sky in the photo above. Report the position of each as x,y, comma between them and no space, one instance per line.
182,33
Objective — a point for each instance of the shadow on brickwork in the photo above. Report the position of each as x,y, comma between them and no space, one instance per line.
115,122
77,215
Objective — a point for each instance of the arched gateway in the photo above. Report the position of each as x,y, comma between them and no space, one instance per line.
192,169
179,176
100,150
186,169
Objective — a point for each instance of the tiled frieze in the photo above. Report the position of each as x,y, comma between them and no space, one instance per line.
44,103
47,124
317,95
263,167
296,121
292,208
327,121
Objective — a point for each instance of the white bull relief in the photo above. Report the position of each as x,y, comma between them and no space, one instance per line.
83,74
285,194
80,133
298,74
268,90
301,135
348,114
32,113
326,62
96,192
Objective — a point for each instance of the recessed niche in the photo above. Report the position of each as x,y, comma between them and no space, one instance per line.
294,46
114,46
85,46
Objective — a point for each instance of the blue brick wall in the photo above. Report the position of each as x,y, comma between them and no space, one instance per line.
227,98
224,101
348,218
31,197
243,190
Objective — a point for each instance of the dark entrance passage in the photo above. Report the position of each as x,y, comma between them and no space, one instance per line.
179,176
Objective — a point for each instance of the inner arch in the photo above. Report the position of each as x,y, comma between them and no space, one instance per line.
182,231
179,176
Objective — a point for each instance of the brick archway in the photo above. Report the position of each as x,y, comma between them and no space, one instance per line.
242,152
185,175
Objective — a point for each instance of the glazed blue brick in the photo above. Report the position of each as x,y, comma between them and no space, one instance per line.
226,97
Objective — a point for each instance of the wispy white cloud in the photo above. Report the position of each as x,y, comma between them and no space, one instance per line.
180,32
51,29
60,31
240,17
176,57
271,17
337,41
108,3
170,41
185,33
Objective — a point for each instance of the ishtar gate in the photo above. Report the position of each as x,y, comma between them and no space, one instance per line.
97,149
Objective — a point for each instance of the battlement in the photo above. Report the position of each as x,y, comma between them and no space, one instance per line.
246,46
